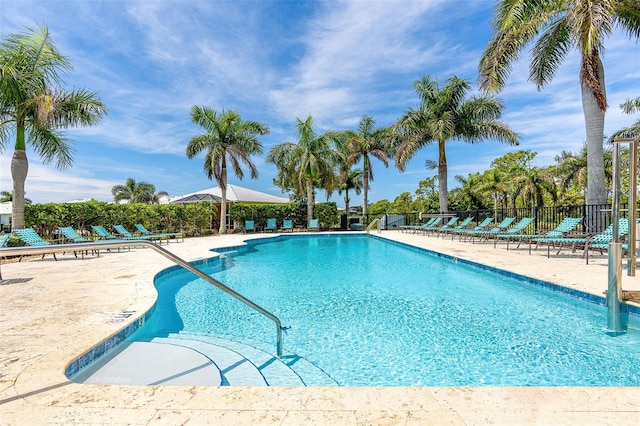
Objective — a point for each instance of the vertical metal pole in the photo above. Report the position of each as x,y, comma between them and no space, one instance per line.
614,290
633,193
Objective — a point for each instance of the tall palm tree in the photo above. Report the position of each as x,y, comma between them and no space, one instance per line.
303,163
368,141
559,26
443,115
136,192
227,139
350,179
34,104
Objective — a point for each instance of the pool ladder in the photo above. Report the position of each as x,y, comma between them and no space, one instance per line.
97,245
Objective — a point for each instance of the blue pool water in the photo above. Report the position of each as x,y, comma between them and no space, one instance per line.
374,313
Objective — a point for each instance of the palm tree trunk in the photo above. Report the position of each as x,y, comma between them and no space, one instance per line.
310,200
223,190
442,177
594,120
365,190
346,206
19,170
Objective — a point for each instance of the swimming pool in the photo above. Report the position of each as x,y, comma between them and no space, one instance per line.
374,313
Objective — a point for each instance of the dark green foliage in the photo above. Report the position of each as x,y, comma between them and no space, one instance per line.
190,219
327,214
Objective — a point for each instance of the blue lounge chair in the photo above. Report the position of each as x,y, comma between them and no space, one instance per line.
70,234
464,231
168,235
126,235
31,238
271,225
103,234
287,225
249,226
513,233
598,242
461,225
485,234
416,228
568,224
4,240
313,225
450,223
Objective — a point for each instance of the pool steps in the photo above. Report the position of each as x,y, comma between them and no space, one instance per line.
215,361
289,370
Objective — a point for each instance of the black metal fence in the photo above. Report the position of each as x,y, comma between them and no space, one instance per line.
596,217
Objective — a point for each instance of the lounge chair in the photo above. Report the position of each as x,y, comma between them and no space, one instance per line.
450,223
313,225
70,234
513,233
416,228
4,240
126,235
598,242
287,225
430,225
31,238
485,234
568,224
271,225
249,226
103,234
479,227
168,235
444,229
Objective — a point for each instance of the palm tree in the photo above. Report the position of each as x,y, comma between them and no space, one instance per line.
531,183
227,138
571,168
629,106
443,115
7,196
35,105
559,26
367,142
304,163
350,179
136,192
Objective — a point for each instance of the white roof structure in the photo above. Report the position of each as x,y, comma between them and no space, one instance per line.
235,194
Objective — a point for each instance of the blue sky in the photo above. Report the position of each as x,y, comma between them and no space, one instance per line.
273,61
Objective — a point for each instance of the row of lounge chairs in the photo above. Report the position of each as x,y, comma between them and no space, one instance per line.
69,235
565,234
272,225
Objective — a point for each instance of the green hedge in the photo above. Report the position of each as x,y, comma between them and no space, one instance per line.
327,214
190,219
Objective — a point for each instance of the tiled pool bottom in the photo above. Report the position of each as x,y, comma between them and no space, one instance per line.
453,260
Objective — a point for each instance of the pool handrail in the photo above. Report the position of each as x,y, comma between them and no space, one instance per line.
105,244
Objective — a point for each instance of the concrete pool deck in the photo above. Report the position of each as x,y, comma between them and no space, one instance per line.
52,312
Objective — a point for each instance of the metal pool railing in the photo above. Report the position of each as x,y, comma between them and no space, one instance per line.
97,245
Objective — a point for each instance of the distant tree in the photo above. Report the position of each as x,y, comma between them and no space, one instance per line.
227,139
7,196
350,180
35,105
365,143
559,26
379,208
136,192
630,106
303,164
443,115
